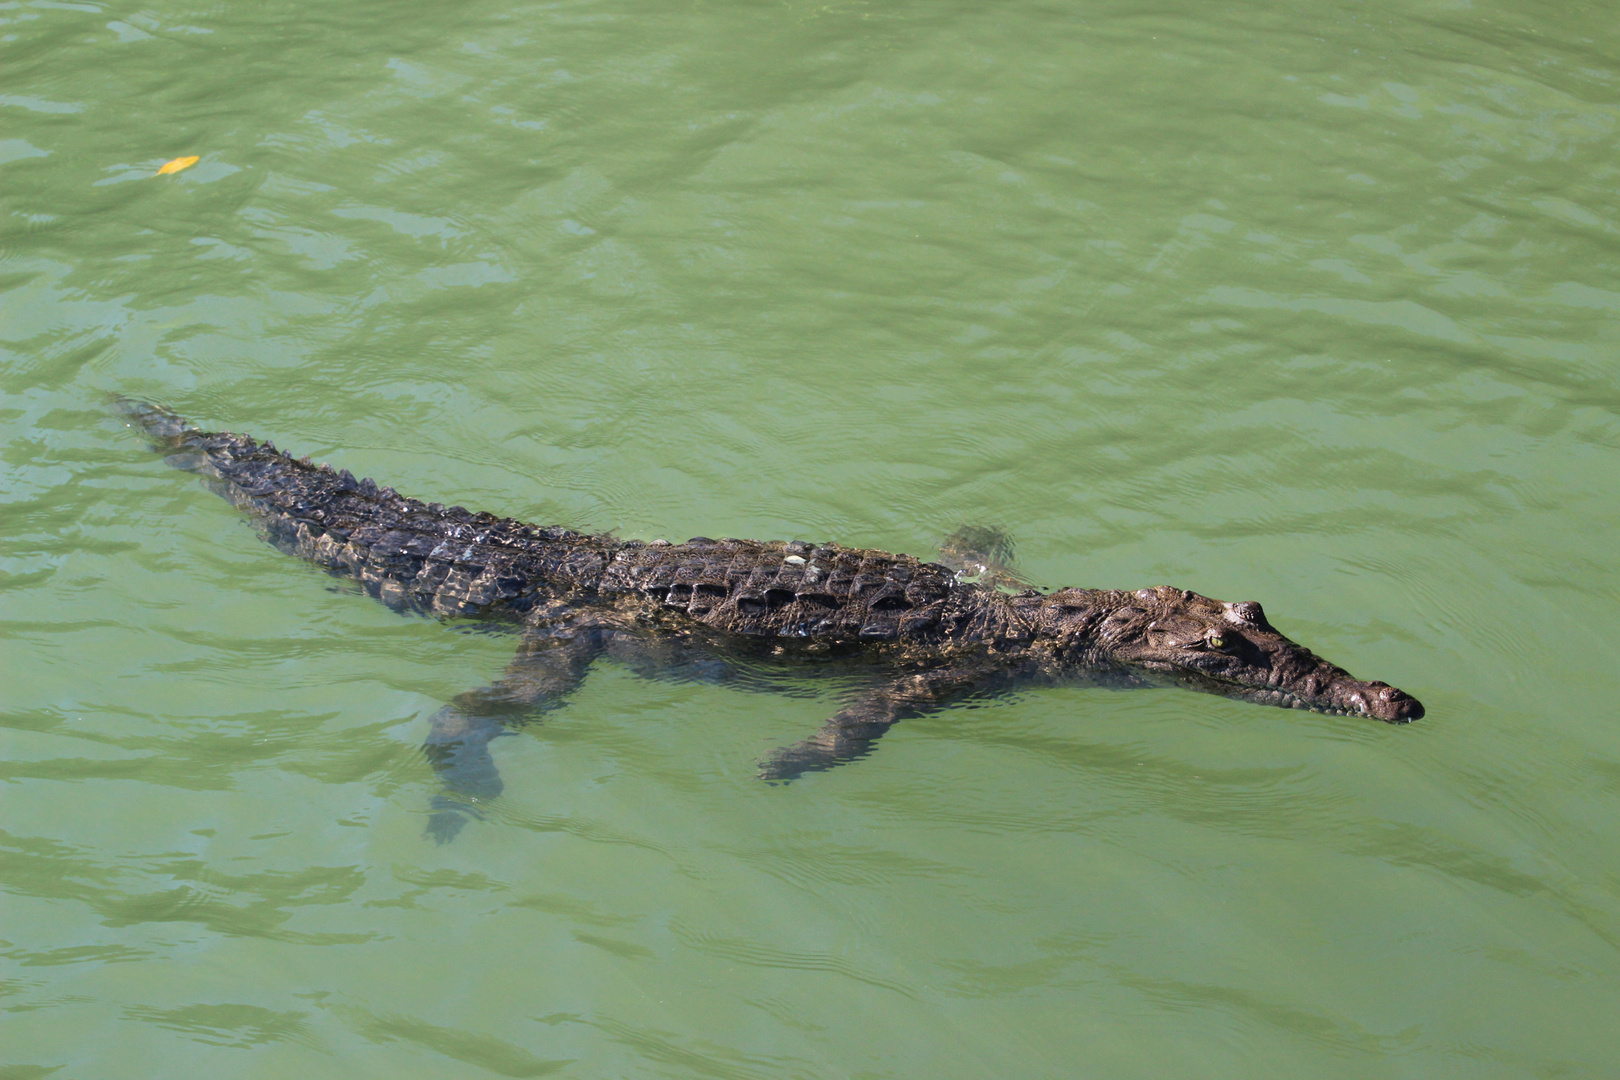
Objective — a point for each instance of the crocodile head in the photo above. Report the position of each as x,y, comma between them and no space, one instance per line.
1167,636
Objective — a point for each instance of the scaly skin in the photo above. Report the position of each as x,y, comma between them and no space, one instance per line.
921,637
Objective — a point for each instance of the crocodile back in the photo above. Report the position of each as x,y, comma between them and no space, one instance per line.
451,561
791,589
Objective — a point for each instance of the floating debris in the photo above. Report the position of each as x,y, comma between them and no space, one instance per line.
177,164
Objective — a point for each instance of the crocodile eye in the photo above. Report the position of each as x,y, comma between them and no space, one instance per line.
1215,640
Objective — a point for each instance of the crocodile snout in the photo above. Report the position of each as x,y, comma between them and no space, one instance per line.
1384,702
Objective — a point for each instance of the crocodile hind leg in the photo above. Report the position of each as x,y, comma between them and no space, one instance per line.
550,664
984,554
851,731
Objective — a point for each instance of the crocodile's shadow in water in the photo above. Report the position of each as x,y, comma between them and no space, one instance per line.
912,636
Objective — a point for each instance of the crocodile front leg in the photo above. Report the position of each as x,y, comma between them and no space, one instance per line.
851,731
550,664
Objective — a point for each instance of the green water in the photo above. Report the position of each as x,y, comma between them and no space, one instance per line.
1312,304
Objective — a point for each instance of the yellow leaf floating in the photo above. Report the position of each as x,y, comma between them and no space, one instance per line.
177,164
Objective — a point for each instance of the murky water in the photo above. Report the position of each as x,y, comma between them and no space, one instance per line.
1312,304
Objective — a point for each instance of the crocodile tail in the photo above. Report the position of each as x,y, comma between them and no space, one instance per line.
166,428
218,456
305,509
406,553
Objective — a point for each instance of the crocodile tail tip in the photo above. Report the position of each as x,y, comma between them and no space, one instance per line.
164,426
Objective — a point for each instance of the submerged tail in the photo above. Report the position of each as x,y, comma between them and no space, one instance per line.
166,428
406,553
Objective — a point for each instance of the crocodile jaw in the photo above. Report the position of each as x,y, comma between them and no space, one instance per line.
1342,697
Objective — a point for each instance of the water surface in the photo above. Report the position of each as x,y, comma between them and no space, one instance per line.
1310,304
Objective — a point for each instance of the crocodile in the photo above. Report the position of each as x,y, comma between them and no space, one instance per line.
913,636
